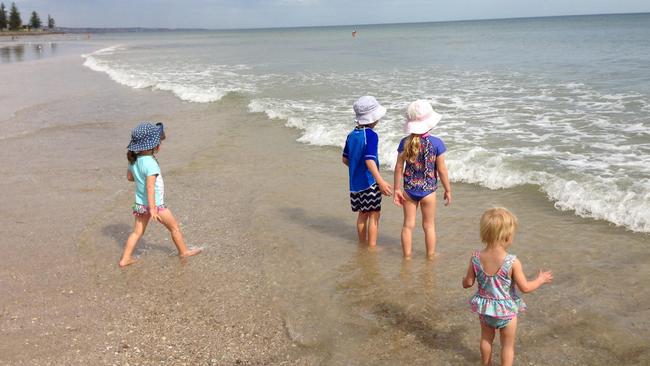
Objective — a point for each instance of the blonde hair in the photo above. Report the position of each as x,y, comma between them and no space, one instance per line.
497,225
412,148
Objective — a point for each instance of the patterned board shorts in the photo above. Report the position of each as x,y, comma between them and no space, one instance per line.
141,210
366,200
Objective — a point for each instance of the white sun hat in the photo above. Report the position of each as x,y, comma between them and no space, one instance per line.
368,110
420,117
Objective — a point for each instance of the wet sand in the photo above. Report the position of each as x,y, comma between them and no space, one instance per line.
282,279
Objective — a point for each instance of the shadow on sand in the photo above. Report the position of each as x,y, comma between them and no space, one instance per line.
330,225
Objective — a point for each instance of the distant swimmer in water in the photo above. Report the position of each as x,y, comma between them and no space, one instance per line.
354,33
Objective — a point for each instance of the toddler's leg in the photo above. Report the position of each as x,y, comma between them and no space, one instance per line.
362,226
507,336
410,211
170,223
487,338
138,230
428,205
373,227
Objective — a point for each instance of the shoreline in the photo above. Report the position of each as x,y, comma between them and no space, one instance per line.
281,279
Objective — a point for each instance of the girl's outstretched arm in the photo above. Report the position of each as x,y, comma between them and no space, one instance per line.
129,176
398,197
444,177
470,277
529,286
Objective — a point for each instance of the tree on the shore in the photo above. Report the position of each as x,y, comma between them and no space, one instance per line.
50,22
3,17
15,22
35,21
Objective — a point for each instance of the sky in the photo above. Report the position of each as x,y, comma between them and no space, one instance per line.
220,14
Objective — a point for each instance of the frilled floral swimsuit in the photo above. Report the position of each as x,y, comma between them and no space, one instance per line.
496,301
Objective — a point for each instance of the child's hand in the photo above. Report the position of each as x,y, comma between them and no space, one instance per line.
398,198
447,197
153,211
545,276
386,189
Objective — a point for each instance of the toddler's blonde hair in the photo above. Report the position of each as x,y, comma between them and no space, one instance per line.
497,225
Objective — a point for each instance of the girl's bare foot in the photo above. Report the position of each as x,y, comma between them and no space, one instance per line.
125,262
191,252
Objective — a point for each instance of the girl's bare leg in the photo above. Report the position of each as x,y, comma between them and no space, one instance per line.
373,227
139,227
428,207
362,226
410,211
170,223
507,336
487,338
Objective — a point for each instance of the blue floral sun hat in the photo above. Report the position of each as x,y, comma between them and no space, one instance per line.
145,136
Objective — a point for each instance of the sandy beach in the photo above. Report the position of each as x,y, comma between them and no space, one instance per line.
282,279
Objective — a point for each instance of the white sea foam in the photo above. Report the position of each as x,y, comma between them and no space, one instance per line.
579,145
193,84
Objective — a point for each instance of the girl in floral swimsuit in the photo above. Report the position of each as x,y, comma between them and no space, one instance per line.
420,161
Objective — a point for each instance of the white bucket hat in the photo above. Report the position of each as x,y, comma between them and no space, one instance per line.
420,117
368,110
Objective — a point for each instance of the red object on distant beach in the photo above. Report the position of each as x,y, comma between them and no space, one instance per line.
354,33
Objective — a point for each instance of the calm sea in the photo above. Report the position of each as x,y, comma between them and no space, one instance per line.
559,103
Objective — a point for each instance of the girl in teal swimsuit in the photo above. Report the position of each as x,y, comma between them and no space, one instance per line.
496,302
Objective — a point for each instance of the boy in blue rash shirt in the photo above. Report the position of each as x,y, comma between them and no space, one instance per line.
360,155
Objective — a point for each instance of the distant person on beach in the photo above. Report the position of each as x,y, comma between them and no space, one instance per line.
496,302
420,162
149,190
361,157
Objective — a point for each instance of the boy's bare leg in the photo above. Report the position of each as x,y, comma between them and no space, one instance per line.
139,228
362,226
170,223
373,227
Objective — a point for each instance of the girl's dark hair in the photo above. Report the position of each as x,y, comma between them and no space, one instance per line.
131,157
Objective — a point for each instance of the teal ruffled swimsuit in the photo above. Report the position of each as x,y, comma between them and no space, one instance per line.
496,301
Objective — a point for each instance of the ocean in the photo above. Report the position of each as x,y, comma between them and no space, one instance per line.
561,104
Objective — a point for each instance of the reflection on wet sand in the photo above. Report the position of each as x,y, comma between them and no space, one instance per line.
25,52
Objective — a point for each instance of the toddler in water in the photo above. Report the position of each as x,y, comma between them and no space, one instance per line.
496,301
360,155
420,161
149,190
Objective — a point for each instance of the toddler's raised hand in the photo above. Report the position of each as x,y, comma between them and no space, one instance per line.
545,276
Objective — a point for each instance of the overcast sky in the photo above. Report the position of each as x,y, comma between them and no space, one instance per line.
288,13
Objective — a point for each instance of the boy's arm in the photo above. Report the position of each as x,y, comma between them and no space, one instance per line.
470,277
345,161
129,176
529,286
444,177
384,187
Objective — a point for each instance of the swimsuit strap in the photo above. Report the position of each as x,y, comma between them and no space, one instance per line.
476,262
507,264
